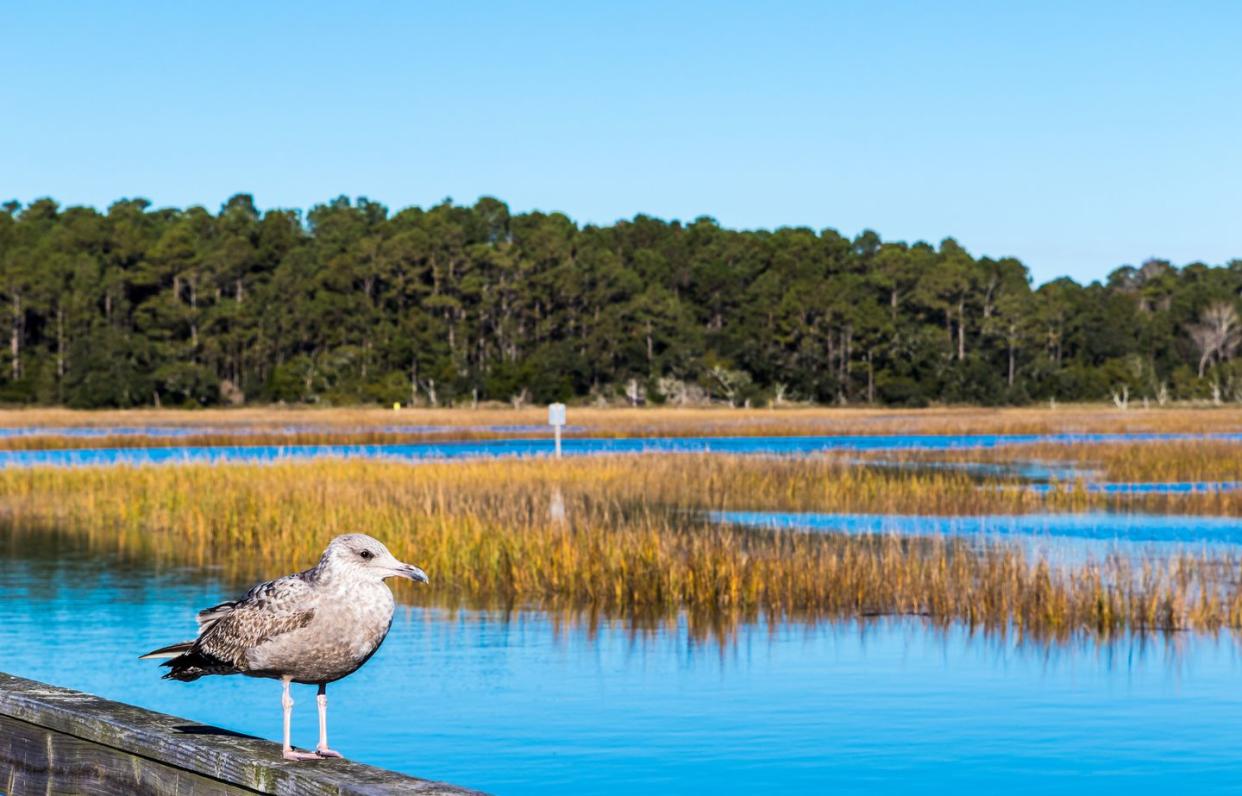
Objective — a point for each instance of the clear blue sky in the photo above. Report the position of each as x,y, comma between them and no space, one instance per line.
1078,136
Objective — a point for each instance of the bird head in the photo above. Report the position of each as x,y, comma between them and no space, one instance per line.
363,556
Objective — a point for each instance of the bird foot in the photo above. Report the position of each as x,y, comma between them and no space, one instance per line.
324,751
290,754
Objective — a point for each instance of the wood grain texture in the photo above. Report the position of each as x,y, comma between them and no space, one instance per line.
54,740
37,760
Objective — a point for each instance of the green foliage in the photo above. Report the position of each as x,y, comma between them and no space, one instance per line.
351,303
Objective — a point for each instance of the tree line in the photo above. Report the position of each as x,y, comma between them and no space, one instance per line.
350,303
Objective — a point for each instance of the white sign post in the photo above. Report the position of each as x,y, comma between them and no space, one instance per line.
556,419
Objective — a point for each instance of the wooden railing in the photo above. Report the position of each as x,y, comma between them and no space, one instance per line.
53,740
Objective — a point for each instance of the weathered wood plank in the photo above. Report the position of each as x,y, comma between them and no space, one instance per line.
51,733
37,760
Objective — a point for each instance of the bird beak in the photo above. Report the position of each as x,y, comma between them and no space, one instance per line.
412,572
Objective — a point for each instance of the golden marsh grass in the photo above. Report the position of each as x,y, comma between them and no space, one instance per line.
633,541
1156,462
303,425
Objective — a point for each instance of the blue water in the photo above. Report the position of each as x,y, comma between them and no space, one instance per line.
1047,477
1144,487
576,447
511,704
159,431
520,702
1070,537
1028,470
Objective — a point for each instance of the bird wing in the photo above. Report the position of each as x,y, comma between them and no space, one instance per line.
227,631
206,616
209,616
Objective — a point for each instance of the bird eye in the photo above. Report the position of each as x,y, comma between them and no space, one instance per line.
366,555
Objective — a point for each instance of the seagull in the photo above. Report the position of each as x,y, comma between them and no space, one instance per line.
312,627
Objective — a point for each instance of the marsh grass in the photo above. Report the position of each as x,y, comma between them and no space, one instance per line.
301,425
256,436
633,541
1148,462
1160,462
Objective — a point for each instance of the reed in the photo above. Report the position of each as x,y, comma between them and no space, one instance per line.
838,483
631,540
1155,462
258,435
302,425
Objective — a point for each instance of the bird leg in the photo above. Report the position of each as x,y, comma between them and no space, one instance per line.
286,702
322,749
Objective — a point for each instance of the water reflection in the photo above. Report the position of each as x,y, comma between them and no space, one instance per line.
1032,470
1046,477
524,701
1061,537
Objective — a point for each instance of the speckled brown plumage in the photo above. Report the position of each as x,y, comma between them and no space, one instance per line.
315,626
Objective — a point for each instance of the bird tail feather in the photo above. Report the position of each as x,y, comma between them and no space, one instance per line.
195,664
171,651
